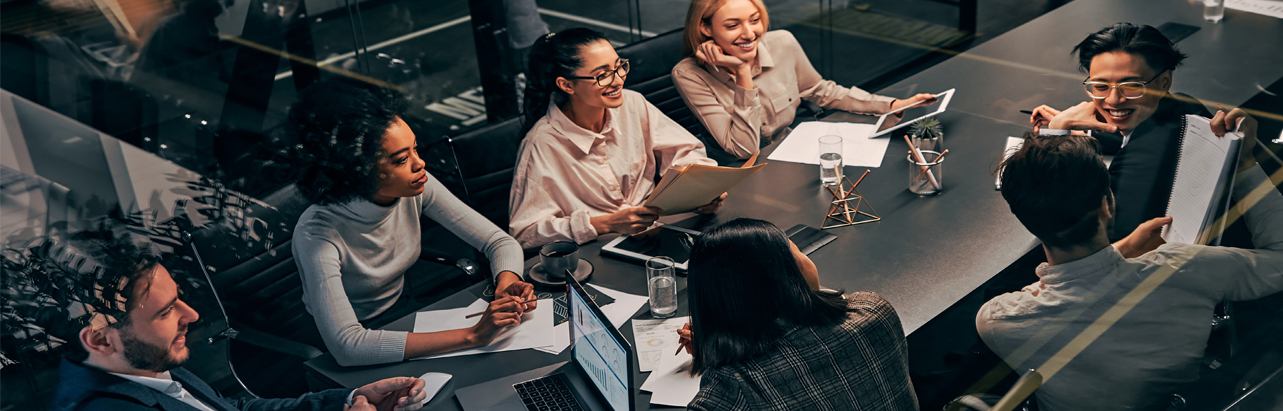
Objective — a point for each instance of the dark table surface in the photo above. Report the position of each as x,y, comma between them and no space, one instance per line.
927,252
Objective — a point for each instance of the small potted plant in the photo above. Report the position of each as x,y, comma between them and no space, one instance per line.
928,134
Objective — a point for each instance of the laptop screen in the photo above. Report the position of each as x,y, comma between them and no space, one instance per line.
599,353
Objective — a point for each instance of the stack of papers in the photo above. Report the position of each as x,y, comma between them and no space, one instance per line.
618,313
858,150
671,384
685,190
535,331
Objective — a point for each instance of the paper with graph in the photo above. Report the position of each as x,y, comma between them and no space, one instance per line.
1204,170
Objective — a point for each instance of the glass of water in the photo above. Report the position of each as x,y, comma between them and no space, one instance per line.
662,286
1213,10
830,160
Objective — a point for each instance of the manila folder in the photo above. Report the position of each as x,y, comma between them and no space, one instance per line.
679,192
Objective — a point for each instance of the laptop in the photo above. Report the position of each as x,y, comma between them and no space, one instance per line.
599,377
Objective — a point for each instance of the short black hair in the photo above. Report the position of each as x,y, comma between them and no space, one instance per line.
339,125
1055,185
1145,41
743,278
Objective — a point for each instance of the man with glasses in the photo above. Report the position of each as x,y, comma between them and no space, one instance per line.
1133,115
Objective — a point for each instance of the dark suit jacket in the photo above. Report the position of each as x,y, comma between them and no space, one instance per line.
86,388
1142,173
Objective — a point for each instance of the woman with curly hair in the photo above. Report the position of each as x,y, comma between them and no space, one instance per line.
356,243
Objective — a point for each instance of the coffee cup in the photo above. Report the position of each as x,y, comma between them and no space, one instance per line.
557,257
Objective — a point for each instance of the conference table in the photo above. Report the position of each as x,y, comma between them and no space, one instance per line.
927,252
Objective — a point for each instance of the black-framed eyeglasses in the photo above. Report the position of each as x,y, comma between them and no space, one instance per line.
605,78
1129,89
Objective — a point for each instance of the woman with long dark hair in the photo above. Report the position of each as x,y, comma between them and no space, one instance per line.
765,336
361,237
592,150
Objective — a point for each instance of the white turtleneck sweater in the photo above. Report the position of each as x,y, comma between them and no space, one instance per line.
353,258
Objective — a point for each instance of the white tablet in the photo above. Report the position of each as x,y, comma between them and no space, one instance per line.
888,122
664,240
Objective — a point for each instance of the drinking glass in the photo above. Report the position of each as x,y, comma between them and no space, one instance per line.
1213,10
830,160
662,286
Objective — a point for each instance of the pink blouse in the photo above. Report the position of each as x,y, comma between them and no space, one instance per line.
566,174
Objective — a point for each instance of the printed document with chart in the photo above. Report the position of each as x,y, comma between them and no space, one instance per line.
1204,171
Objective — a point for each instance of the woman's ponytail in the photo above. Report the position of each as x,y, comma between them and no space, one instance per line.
553,55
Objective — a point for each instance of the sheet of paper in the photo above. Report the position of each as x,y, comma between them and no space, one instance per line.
654,338
671,383
560,338
1272,8
1201,166
428,321
536,329
803,144
624,307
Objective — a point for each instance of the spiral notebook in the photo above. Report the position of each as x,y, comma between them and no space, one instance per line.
1204,172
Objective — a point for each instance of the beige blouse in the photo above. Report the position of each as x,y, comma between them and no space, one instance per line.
566,174
782,76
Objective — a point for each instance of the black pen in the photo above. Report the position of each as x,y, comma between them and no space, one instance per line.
1030,112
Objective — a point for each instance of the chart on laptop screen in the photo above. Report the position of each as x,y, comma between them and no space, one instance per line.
602,357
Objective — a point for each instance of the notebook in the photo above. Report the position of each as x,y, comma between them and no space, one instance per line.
1204,172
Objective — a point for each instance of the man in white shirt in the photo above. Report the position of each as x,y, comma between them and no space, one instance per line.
1118,327
135,343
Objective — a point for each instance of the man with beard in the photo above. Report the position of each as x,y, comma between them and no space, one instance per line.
132,360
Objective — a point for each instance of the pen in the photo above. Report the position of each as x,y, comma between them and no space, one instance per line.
1030,112
483,312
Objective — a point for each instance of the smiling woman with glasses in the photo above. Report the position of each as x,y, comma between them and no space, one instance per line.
1133,115
591,149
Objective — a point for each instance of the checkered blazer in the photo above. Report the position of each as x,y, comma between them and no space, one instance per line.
860,364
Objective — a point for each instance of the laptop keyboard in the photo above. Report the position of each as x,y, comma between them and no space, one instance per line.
551,393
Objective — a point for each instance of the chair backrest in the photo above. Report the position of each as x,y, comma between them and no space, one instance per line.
485,159
260,286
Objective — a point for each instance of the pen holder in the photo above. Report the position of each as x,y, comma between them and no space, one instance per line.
926,178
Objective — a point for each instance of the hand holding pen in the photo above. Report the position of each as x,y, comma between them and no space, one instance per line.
684,339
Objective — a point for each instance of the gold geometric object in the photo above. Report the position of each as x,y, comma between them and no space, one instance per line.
848,207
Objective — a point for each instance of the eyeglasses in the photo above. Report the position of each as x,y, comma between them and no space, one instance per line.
1129,89
605,78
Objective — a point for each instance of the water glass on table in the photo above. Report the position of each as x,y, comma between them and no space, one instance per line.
662,285
1213,10
830,160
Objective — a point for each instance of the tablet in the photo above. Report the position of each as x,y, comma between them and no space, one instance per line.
888,122
665,240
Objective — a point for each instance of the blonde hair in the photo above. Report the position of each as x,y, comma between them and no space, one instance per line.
700,12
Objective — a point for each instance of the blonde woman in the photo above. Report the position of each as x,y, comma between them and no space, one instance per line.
745,83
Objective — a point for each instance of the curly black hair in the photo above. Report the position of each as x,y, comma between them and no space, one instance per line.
339,125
